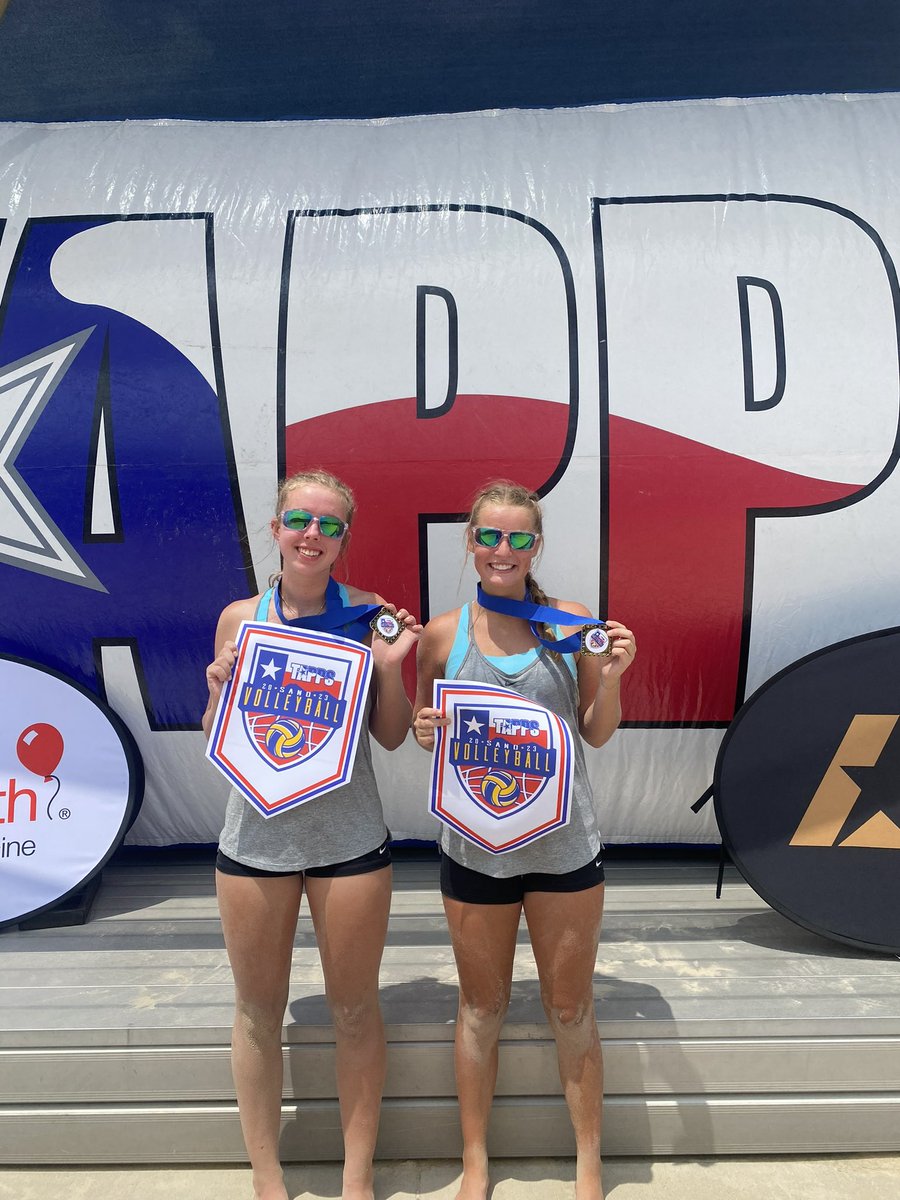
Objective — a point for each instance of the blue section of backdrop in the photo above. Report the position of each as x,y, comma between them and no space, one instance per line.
177,557
229,60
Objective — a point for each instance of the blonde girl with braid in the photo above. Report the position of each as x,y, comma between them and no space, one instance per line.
557,879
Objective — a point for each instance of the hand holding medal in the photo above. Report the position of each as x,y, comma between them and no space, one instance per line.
621,652
388,626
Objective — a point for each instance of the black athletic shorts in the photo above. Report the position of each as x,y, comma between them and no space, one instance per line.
374,860
472,887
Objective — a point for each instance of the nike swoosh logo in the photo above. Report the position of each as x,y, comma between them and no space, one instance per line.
382,849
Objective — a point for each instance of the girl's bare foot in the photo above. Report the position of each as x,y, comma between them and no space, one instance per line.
270,1189
475,1178
588,1184
359,1188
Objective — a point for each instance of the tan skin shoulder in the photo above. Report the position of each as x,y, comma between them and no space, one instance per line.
574,606
357,596
231,618
436,643
442,628
431,663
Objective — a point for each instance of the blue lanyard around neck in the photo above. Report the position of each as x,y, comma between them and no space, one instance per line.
352,620
536,614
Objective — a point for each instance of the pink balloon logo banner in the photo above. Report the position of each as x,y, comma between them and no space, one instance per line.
71,780
502,771
289,719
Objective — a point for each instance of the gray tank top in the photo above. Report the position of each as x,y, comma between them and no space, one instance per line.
547,681
333,828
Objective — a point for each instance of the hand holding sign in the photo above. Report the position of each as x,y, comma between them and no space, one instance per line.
219,670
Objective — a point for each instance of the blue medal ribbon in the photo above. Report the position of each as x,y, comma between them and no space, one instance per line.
539,613
351,619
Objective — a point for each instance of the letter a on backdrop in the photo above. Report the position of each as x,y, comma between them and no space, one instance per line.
502,771
289,719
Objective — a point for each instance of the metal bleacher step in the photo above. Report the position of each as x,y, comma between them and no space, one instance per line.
727,1030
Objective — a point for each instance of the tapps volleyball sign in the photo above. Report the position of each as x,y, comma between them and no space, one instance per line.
289,719
502,770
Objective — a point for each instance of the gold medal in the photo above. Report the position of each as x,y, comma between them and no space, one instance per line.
386,625
595,640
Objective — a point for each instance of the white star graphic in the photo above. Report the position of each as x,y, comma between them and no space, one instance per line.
29,538
269,671
474,725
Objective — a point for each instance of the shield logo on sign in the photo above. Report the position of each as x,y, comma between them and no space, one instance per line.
502,757
291,706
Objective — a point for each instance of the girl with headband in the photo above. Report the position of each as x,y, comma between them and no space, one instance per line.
335,847
557,879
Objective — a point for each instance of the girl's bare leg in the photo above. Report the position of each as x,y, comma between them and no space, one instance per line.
565,931
350,915
259,917
484,945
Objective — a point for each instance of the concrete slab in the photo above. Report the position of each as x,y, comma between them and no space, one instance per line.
844,1177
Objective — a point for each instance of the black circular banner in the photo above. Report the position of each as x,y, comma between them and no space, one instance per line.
807,791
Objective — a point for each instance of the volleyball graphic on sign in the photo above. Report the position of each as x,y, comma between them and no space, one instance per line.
500,789
285,739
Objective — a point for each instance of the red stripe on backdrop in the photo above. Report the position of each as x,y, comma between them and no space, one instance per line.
677,523
677,563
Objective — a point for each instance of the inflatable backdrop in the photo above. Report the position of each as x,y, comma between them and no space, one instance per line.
678,321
